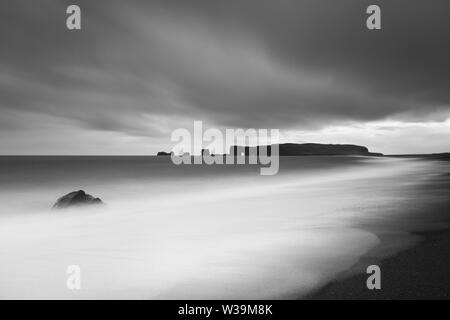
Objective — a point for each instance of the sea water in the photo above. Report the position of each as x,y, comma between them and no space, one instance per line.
199,231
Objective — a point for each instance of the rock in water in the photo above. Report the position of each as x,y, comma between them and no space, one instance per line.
76,198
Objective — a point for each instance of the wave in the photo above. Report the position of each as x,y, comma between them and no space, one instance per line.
221,236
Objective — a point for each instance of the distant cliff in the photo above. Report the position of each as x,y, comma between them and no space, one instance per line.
311,149
162,153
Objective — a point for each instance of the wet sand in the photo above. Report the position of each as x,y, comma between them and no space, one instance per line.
421,272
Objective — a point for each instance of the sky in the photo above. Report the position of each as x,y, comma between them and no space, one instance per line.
137,70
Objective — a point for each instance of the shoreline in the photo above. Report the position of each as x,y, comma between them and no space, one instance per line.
353,215
418,272
415,269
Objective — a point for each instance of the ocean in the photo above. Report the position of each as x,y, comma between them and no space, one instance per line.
207,232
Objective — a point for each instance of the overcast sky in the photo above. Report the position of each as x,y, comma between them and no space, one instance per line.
139,69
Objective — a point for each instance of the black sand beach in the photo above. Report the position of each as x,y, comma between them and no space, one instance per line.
421,272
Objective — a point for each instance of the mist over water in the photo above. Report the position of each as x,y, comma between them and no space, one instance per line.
202,232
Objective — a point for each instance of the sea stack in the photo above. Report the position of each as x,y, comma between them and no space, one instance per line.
76,198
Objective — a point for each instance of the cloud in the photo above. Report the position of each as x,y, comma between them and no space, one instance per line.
143,68
387,136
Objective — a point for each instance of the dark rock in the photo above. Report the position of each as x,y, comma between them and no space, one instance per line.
76,198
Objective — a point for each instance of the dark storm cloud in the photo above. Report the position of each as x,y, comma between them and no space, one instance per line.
136,65
361,74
